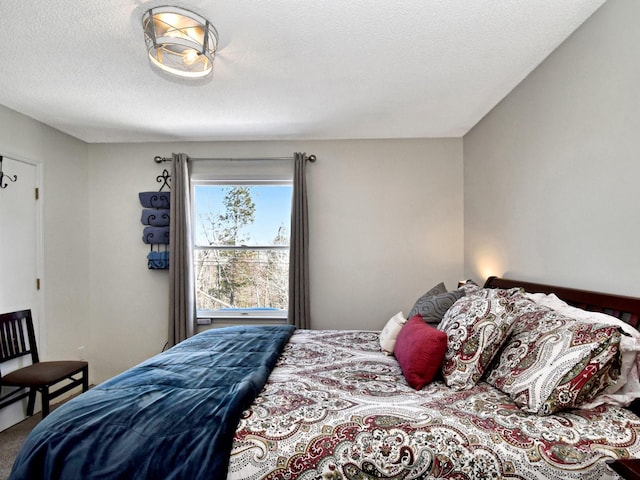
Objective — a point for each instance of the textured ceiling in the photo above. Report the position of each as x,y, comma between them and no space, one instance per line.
285,69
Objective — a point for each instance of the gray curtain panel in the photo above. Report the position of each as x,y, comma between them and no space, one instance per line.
299,310
182,311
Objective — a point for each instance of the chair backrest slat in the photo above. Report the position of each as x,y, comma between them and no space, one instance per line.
16,337
4,340
13,341
20,335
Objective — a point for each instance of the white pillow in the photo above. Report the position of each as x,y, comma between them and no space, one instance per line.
627,387
390,332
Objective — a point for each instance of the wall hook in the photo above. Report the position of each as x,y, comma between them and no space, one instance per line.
3,176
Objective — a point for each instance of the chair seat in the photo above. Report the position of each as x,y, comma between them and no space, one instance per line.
17,340
42,373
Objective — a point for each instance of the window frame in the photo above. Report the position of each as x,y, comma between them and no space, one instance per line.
209,316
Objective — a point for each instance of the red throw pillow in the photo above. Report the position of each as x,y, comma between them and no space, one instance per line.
420,349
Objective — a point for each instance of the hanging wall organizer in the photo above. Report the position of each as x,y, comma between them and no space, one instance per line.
155,215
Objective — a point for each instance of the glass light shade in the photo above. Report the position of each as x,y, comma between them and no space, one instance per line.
179,41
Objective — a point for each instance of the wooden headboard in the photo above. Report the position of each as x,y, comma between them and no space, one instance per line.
624,308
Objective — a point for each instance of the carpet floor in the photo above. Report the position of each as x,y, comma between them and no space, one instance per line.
12,438
11,441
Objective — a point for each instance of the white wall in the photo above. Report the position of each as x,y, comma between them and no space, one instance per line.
385,225
65,195
551,174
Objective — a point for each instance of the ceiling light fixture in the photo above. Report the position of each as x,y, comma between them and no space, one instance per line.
180,41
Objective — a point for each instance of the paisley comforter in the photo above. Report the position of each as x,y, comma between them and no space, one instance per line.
336,408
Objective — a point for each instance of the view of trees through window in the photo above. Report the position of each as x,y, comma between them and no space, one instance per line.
242,246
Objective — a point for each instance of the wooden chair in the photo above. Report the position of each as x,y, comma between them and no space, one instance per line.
17,339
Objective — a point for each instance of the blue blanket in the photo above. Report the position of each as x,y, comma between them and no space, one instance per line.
171,417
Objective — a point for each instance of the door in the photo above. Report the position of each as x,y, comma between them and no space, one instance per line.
19,233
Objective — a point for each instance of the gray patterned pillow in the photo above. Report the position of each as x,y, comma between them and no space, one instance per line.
433,305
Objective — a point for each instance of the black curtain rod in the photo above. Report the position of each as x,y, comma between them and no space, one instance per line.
159,159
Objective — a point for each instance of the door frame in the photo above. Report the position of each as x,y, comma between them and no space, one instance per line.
38,310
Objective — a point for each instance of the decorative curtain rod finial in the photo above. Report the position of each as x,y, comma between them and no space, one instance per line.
158,159
311,158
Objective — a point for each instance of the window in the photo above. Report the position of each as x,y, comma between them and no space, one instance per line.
241,247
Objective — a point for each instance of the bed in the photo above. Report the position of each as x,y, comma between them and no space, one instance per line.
274,403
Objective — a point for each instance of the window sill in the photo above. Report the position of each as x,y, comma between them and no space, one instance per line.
242,319
220,322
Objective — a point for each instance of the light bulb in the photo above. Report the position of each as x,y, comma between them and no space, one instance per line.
190,56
